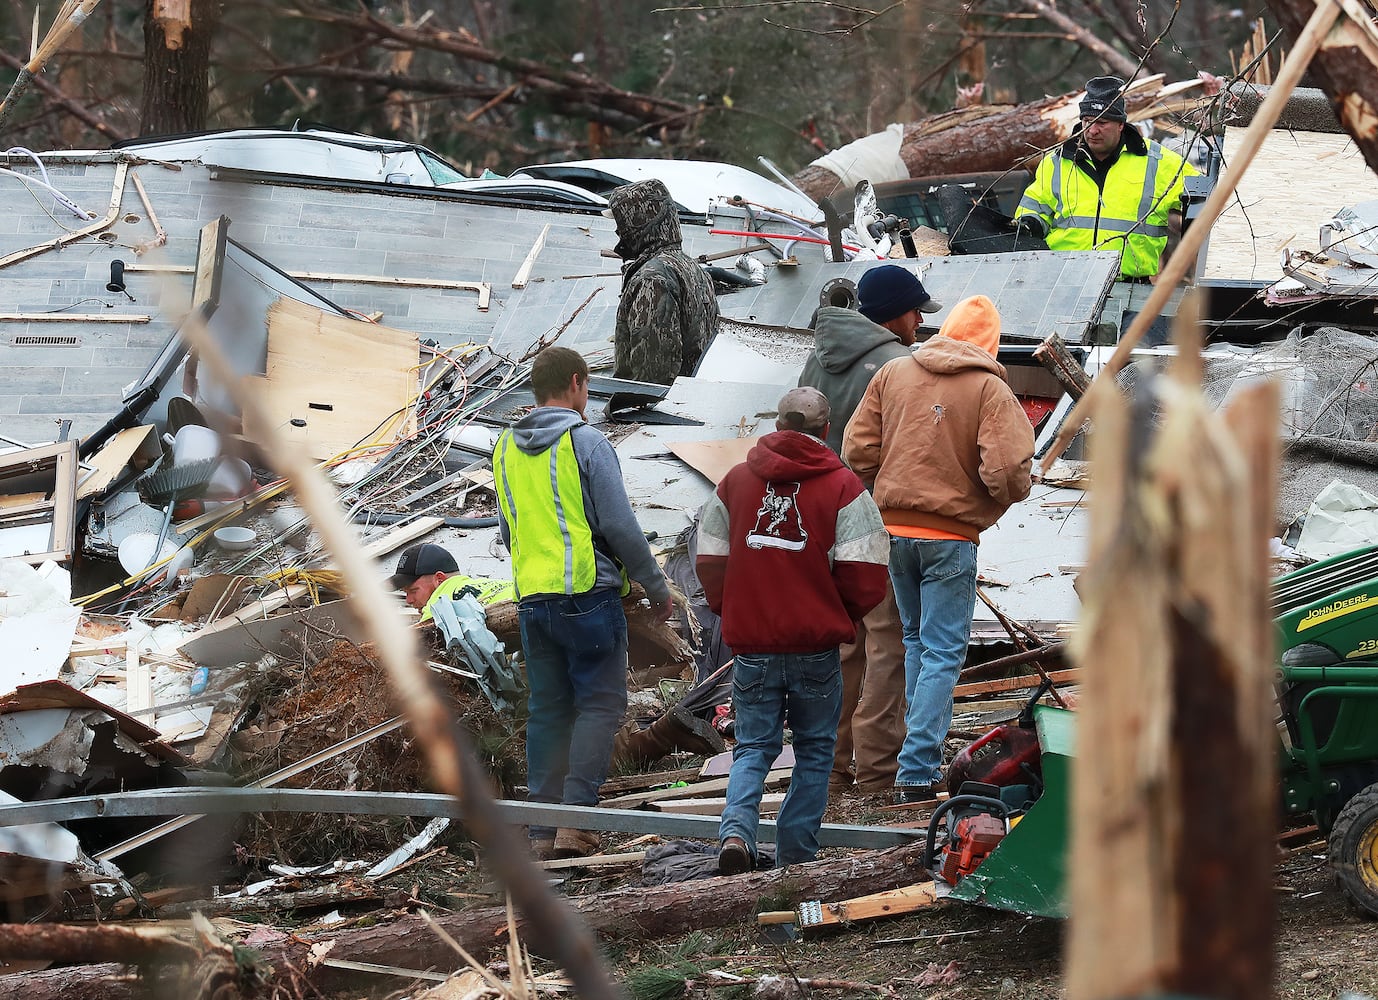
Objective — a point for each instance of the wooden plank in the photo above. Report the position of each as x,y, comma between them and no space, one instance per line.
909,898
1068,676
770,803
713,459
596,861
333,382
117,453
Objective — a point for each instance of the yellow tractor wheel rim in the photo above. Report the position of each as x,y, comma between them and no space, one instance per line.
1366,858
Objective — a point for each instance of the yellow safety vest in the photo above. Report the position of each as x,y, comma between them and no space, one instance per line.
489,591
1129,216
542,501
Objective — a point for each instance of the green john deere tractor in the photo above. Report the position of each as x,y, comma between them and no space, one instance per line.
1327,618
1327,682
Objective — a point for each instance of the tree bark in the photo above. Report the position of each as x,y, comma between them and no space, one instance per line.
627,915
1346,67
177,67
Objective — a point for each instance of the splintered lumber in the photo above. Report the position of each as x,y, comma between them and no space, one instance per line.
1173,787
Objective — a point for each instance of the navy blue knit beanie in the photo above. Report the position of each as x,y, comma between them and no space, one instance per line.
888,291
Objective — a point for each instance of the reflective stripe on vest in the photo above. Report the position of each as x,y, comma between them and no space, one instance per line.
542,501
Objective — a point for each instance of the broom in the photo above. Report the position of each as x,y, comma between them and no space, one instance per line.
70,16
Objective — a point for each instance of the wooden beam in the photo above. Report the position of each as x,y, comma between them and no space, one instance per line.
1070,676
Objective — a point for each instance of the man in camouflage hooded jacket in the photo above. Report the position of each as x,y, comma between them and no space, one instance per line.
668,314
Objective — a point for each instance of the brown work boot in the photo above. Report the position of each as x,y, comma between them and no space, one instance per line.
571,843
734,858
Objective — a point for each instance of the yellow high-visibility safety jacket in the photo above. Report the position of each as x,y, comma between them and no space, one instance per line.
1130,215
542,500
490,591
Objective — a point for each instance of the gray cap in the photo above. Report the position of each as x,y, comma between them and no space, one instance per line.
803,409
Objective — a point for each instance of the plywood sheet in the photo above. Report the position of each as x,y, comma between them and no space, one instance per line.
713,459
332,382
1295,183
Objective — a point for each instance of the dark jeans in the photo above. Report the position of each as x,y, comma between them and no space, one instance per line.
576,668
768,691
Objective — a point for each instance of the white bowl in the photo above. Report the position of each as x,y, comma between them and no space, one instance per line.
235,539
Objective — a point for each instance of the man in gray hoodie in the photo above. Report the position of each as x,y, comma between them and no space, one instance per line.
848,348
574,540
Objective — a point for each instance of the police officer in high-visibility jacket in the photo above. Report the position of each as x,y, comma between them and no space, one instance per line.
1107,188
574,540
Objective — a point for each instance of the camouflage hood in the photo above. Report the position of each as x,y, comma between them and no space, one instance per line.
647,221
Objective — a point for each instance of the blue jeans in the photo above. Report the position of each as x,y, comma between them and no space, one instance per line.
803,690
576,668
935,588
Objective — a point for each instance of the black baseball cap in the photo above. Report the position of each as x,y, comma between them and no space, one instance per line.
421,560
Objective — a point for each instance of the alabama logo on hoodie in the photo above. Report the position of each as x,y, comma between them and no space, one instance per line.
778,524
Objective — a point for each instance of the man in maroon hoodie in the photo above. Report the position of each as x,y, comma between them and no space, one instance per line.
792,553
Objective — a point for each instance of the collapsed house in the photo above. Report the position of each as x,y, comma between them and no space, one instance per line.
389,324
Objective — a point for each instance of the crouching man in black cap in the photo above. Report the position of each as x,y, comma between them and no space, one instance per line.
427,572
1106,188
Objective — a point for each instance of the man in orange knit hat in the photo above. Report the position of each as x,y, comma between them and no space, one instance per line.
946,448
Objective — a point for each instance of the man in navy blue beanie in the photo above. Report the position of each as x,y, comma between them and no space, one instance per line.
849,347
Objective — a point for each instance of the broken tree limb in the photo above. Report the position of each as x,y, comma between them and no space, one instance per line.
1346,66
99,943
1172,825
1289,75
1054,651
1053,355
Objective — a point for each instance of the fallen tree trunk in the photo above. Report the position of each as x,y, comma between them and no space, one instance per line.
635,914
982,138
180,965
625,914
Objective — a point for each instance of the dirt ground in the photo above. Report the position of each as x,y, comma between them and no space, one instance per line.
957,952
